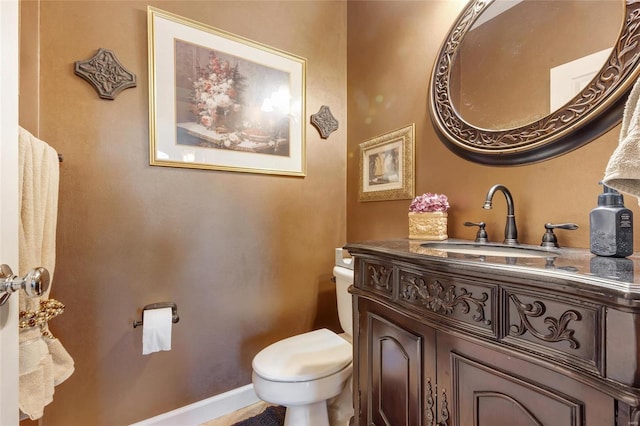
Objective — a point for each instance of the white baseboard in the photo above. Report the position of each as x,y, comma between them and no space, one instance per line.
205,410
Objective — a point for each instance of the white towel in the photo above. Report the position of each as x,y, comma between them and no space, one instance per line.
623,170
44,362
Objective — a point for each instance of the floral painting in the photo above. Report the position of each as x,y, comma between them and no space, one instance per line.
216,90
233,103
223,102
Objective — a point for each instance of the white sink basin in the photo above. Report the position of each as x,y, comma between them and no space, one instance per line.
478,249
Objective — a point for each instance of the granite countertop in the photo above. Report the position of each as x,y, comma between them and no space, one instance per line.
617,275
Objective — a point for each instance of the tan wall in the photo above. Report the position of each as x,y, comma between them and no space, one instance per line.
391,48
248,258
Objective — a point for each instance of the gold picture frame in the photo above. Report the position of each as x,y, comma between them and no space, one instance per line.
220,101
387,166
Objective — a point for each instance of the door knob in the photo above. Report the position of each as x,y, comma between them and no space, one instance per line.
35,283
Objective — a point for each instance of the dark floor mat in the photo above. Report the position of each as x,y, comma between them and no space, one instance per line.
271,416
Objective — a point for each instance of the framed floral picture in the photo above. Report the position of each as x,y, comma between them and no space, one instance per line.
220,101
387,165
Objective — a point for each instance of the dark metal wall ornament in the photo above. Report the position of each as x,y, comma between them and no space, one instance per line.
105,73
597,108
324,121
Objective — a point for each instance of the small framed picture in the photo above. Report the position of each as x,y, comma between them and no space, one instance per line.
220,101
387,165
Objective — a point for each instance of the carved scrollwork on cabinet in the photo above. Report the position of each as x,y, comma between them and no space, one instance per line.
442,299
444,410
429,405
429,410
558,327
379,277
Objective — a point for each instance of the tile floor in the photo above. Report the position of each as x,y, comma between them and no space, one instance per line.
238,415
339,408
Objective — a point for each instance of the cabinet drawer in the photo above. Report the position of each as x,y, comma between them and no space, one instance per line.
565,330
464,303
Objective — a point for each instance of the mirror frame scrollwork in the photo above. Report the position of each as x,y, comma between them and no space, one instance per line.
595,110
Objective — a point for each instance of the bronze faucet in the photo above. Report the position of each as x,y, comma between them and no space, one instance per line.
510,230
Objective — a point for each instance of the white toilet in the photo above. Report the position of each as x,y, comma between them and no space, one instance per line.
304,371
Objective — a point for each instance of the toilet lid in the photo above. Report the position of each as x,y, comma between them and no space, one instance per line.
304,357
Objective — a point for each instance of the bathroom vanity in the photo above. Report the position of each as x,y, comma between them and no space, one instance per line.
445,338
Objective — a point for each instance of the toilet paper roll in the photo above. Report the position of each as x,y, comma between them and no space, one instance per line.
156,330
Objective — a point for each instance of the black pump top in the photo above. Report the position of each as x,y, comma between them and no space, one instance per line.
610,197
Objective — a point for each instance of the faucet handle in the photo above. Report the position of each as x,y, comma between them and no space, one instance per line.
549,239
481,235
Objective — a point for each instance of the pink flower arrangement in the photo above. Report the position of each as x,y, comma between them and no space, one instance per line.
429,203
216,91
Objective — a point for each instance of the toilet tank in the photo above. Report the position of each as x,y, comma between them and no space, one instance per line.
343,273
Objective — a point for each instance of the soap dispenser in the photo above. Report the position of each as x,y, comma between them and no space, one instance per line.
611,226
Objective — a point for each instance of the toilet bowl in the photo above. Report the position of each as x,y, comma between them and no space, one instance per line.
304,371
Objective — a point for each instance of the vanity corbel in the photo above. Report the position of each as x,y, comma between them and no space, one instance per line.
487,342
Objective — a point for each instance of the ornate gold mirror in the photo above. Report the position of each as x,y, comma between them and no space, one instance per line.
521,81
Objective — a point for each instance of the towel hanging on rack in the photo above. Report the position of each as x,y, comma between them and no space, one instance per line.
43,361
623,170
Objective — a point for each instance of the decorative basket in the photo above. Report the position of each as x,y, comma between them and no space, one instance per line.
428,226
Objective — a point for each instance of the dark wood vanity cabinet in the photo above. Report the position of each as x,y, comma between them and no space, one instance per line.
439,343
410,374
397,368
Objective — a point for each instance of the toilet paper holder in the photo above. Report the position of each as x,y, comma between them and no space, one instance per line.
174,312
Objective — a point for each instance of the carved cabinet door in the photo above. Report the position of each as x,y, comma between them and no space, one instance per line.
397,368
488,387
